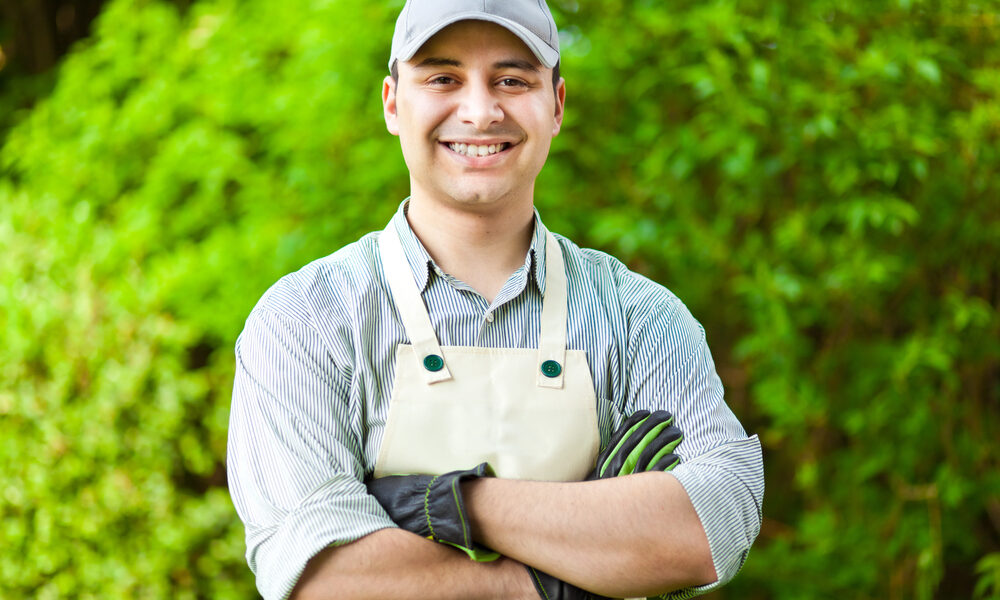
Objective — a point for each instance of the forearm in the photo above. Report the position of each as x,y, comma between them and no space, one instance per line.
628,536
392,564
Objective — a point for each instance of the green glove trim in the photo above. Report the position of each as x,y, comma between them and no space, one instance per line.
652,466
633,457
539,585
644,442
461,515
432,507
621,443
550,588
475,553
427,507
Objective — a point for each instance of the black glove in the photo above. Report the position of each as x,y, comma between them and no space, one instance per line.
645,442
432,506
550,588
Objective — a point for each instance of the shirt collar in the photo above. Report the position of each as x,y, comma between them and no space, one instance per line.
421,262
416,255
537,252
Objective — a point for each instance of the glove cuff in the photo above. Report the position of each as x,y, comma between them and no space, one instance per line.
551,588
447,519
540,579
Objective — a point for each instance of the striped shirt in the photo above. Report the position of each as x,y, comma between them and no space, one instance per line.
314,373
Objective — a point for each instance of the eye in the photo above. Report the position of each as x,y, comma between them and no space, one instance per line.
442,80
512,82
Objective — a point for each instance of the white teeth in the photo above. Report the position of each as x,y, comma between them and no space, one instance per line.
476,151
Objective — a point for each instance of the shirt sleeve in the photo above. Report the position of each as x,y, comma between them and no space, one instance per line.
670,368
294,470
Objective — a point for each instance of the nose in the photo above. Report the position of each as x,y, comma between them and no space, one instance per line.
479,106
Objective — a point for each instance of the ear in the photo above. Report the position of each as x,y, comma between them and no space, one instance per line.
389,104
560,106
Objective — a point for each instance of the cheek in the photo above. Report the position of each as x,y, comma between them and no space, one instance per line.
542,118
422,116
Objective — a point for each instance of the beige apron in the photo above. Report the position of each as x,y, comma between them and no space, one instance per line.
530,413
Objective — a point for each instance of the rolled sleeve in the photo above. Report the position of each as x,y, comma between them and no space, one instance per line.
721,468
294,470
726,487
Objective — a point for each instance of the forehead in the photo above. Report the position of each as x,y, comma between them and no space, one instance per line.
471,39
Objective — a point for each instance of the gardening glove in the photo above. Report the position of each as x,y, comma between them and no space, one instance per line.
550,588
645,442
431,506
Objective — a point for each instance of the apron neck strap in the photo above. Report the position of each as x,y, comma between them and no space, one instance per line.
552,335
411,307
416,322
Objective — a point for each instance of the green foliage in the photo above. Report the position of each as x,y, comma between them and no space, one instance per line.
988,586
180,166
17,92
817,180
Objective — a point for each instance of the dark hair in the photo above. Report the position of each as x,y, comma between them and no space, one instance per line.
394,73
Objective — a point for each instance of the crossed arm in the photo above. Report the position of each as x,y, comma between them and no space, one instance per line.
395,564
293,475
630,536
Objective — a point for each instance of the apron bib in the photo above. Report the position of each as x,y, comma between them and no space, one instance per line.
529,413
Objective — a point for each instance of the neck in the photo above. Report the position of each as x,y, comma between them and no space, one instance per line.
482,249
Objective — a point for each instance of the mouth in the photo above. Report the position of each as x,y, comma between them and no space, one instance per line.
477,151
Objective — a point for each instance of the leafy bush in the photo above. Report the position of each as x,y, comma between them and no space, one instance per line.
182,163
817,180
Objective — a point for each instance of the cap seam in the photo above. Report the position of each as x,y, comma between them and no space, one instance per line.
409,22
543,9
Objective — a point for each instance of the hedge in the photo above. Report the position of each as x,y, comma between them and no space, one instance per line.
817,180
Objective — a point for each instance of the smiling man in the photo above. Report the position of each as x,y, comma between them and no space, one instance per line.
456,377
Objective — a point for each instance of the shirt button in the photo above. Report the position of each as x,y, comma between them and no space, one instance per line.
489,317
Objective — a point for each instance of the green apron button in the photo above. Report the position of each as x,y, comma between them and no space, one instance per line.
551,368
433,362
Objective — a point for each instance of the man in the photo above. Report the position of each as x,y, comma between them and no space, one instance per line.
465,333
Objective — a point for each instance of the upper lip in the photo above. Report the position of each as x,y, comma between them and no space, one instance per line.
487,142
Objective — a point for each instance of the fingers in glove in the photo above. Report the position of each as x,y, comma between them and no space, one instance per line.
664,443
617,439
667,462
623,463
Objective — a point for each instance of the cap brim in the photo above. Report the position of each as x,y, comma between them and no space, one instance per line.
545,54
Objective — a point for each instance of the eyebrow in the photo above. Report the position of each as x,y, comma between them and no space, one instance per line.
437,62
523,65
512,63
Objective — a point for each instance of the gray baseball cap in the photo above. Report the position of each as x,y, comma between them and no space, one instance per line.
529,20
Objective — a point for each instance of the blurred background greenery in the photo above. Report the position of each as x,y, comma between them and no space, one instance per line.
818,180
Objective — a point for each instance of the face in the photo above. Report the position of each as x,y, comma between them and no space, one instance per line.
475,113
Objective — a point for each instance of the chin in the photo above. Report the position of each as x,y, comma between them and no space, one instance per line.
476,197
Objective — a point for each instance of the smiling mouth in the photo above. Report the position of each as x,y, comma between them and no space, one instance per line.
478,151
